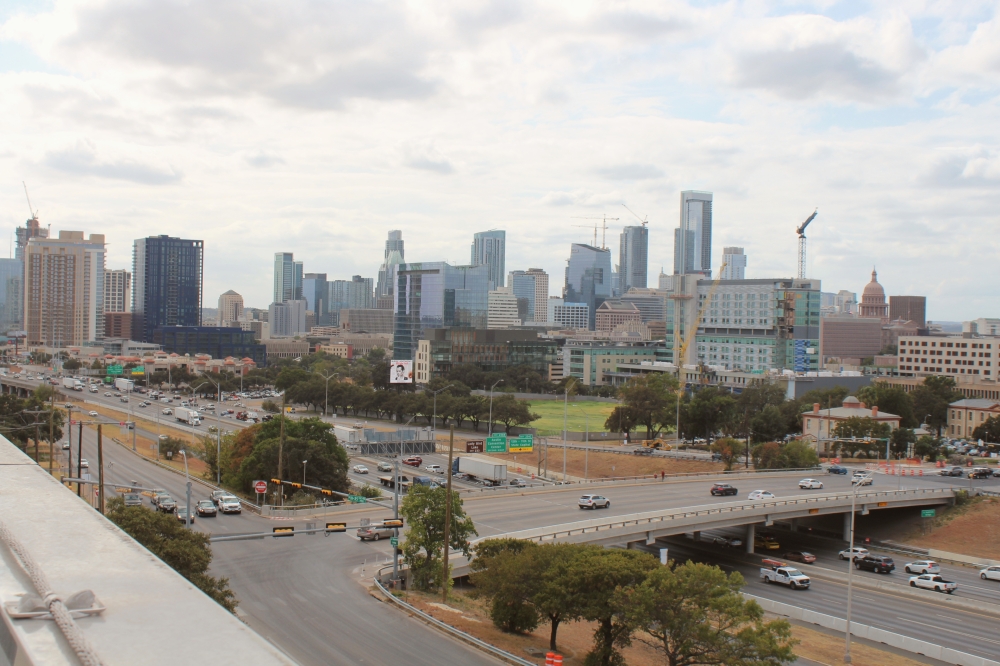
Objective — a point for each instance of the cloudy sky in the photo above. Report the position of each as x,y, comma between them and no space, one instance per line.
315,126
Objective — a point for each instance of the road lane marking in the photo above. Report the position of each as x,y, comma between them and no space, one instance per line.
960,633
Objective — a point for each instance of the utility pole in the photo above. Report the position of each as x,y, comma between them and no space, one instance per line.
100,469
395,515
37,432
79,457
52,409
281,449
69,438
447,516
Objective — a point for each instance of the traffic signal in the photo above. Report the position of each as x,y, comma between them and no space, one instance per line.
296,485
392,522
278,481
336,527
283,531
327,492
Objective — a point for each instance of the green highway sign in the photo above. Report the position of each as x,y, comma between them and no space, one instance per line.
393,541
138,370
927,513
357,499
496,444
114,369
522,444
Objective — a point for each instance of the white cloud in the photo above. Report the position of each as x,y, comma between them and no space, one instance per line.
82,160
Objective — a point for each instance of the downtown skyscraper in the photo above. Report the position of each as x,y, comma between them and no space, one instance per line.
489,248
693,236
287,278
167,279
633,258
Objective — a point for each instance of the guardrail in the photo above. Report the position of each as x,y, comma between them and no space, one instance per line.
664,516
458,633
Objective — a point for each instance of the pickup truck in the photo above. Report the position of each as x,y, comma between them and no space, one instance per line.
933,582
776,572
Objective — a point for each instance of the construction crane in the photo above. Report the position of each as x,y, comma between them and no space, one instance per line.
801,231
604,227
643,220
681,345
34,213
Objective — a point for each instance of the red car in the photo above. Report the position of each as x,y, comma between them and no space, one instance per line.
413,461
800,556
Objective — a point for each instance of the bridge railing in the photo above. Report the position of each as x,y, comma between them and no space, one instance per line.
666,515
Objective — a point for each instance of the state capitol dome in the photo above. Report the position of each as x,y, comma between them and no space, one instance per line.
873,300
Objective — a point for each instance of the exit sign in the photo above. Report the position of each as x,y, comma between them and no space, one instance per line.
927,513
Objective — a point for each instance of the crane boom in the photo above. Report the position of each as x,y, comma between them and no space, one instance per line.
34,213
801,231
643,220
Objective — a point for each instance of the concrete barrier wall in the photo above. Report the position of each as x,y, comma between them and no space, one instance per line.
873,634
935,554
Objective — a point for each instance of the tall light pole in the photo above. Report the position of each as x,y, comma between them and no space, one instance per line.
218,434
326,395
187,515
850,563
304,472
434,419
586,440
490,429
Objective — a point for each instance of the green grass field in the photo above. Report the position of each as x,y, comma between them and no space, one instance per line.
577,415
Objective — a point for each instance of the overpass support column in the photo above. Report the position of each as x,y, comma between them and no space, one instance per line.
749,538
697,536
847,527
795,524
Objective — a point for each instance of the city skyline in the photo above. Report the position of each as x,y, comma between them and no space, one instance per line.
880,118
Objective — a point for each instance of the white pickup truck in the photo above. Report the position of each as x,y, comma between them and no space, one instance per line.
774,571
933,582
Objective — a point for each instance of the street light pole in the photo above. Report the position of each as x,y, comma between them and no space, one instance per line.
586,441
326,395
489,430
435,417
850,565
187,514
304,472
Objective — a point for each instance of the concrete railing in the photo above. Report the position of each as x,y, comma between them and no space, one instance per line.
743,512
898,641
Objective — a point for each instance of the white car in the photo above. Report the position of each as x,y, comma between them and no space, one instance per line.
847,554
594,502
810,483
168,411
107,395
359,469
436,469
229,504
761,495
922,567
84,464
990,573
861,479
94,414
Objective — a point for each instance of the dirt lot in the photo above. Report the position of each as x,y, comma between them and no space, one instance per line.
603,465
576,638
972,529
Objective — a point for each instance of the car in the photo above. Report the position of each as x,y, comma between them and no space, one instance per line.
518,483
876,563
206,508
359,469
836,469
374,532
107,394
862,479
167,411
436,469
850,554
922,567
955,470
810,484
166,504
219,494
413,461
996,472
132,499
94,414
181,513
723,489
384,467
990,573
801,556
765,541
84,464
980,473
761,495
65,446
142,404
230,504
729,542
164,438
594,502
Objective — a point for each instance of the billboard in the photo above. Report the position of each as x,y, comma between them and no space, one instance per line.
401,372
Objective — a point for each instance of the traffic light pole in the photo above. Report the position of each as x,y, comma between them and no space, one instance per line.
79,457
395,515
447,516
100,468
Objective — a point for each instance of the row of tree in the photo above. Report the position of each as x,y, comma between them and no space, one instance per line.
689,613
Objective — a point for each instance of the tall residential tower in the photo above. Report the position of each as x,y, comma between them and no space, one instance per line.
633,257
167,278
489,249
693,236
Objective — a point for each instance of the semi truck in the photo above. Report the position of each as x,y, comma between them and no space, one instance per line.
488,473
774,571
390,482
124,385
189,416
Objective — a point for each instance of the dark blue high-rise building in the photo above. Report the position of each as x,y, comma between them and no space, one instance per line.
167,278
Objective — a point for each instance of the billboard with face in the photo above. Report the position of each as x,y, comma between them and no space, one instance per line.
401,372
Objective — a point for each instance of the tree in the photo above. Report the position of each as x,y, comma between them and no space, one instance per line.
186,551
306,439
891,399
652,400
622,419
753,400
931,400
695,615
927,447
796,454
728,449
861,427
552,597
171,446
989,430
423,508
511,412
596,574
900,441
500,574
710,410
72,364
768,425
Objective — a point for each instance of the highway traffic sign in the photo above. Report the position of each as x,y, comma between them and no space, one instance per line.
474,446
496,444
114,369
927,513
393,541
260,486
138,370
522,444
357,499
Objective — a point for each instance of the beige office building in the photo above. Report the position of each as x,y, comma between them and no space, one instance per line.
230,308
64,289
846,336
923,355
117,290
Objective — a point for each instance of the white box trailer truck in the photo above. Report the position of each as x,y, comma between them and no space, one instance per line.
348,434
488,472
189,416
69,382
124,385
